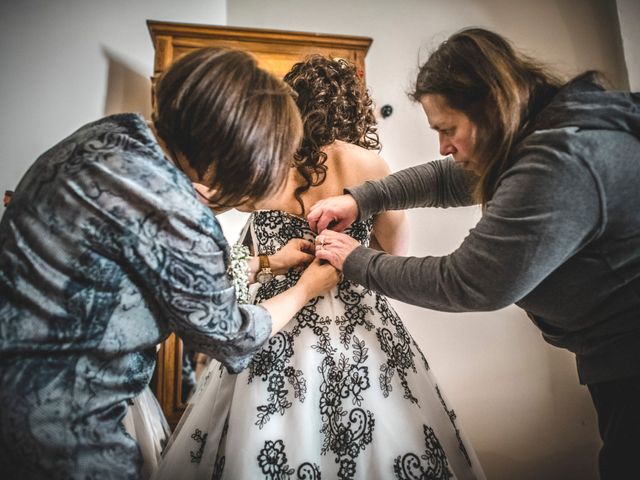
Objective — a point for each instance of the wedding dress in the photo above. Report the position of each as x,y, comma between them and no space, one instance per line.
342,391
146,424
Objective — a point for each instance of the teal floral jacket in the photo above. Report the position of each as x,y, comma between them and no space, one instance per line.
104,250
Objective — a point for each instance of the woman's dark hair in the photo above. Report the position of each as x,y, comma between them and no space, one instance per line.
233,121
335,105
480,74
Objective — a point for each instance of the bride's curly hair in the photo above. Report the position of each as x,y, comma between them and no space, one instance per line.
335,105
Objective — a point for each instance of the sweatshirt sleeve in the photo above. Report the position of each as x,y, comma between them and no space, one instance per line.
547,206
439,183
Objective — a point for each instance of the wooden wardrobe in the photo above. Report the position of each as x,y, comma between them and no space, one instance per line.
276,51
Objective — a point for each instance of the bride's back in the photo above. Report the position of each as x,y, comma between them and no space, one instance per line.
347,165
340,146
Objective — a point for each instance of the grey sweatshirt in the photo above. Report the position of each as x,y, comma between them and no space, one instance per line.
560,237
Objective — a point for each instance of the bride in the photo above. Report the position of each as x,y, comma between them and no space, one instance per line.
342,391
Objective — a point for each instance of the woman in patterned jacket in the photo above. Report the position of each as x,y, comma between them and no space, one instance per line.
107,247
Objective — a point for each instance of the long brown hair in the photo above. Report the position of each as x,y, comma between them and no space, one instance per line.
480,74
229,117
335,105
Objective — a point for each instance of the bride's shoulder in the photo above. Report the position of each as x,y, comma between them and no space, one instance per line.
356,163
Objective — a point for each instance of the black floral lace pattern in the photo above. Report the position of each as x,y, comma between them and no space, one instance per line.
397,344
431,465
218,466
330,381
271,364
200,439
347,431
272,461
452,417
347,428
273,229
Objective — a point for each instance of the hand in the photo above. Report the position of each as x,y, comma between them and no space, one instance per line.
336,213
297,252
335,247
319,277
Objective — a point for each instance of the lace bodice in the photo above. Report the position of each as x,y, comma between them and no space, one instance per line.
272,229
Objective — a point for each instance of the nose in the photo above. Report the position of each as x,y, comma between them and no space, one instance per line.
446,148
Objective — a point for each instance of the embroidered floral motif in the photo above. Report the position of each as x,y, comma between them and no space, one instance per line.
273,229
196,457
452,417
432,465
346,432
356,313
218,466
271,365
272,460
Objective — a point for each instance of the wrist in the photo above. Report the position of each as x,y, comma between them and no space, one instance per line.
305,293
264,274
351,193
277,262
253,265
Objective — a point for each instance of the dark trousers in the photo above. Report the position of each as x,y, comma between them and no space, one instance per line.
618,406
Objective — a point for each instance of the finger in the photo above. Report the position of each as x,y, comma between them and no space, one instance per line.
322,255
326,256
306,258
313,209
323,221
298,243
312,217
340,226
329,235
308,246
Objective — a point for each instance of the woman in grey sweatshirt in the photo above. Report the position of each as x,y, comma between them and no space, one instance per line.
556,167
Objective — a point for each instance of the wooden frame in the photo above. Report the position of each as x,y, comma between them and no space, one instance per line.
276,51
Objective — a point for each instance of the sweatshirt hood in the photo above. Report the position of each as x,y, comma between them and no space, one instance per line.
584,104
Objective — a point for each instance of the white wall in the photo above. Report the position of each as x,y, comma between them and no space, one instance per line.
629,15
517,397
68,62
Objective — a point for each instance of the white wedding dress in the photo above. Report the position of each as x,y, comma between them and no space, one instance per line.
147,425
342,391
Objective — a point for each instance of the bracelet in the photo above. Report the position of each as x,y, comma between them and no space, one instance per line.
238,271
